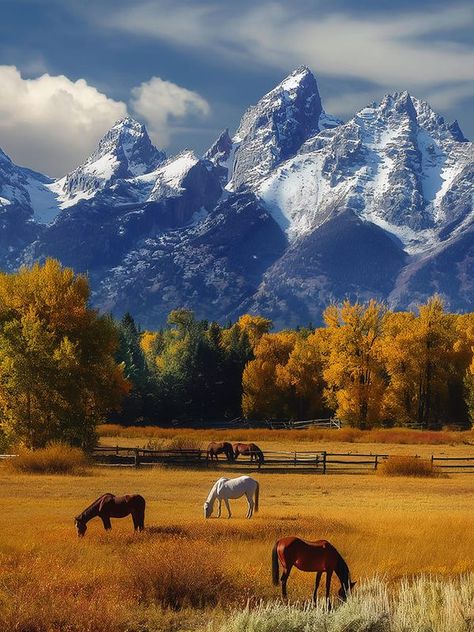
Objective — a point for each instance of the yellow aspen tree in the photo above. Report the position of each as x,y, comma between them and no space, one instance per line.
255,327
353,371
262,395
302,376
419,352
58,376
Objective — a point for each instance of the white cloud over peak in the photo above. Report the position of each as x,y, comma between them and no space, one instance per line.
161,102
404,49
51,123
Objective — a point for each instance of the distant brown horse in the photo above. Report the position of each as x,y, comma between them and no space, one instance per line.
109,506
319,557
248,449
220,447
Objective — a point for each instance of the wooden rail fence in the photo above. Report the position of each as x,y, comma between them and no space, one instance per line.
321,462
466,464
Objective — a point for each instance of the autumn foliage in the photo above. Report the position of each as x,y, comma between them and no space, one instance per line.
58,375
64,368
368,366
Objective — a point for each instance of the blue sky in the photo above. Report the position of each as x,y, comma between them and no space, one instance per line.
69,69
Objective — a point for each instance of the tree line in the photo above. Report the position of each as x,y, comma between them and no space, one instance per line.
64,368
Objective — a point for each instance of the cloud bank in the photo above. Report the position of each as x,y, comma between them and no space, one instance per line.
48,112
160,103
36,114
408,49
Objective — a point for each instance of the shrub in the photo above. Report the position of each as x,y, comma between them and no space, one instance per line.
407,466
174,443
55,458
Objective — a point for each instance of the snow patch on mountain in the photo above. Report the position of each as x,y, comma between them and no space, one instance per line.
169,177
43,200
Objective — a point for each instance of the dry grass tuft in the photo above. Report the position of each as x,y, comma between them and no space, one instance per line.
408,466
56,458
178,573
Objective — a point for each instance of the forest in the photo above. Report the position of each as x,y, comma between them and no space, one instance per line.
64,368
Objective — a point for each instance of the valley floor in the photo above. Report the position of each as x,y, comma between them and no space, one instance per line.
186,573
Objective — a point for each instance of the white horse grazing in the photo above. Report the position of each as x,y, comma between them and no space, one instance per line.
226,488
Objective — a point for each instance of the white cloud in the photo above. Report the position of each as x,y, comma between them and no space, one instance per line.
395,50
159,102
51,123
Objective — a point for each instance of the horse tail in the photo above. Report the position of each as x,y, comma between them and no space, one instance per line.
275,568
257,493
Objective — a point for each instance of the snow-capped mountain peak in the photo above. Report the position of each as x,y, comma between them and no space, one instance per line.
392,164
124,152
275,128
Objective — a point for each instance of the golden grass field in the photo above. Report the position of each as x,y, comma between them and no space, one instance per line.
185,573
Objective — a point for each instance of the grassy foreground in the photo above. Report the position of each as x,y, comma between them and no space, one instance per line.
185,573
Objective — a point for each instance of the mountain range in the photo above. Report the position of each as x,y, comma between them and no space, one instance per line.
293,211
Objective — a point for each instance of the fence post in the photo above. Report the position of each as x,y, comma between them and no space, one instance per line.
324,462
376,461
137,457
432,461
295,459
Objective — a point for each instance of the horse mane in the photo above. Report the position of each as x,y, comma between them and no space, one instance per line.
85,514
211,495
342,570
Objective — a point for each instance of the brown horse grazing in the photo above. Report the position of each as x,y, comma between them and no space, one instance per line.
222,447
319,557
109,506
248,449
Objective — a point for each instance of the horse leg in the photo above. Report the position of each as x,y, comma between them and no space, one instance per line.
328,586
316,585
106,522
228,507
250,504
219,506
138,518
284,579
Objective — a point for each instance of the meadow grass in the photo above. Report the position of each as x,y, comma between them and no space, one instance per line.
186,573
400,436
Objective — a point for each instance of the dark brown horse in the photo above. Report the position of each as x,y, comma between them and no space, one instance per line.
315,557
248,449
222,447
109,506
